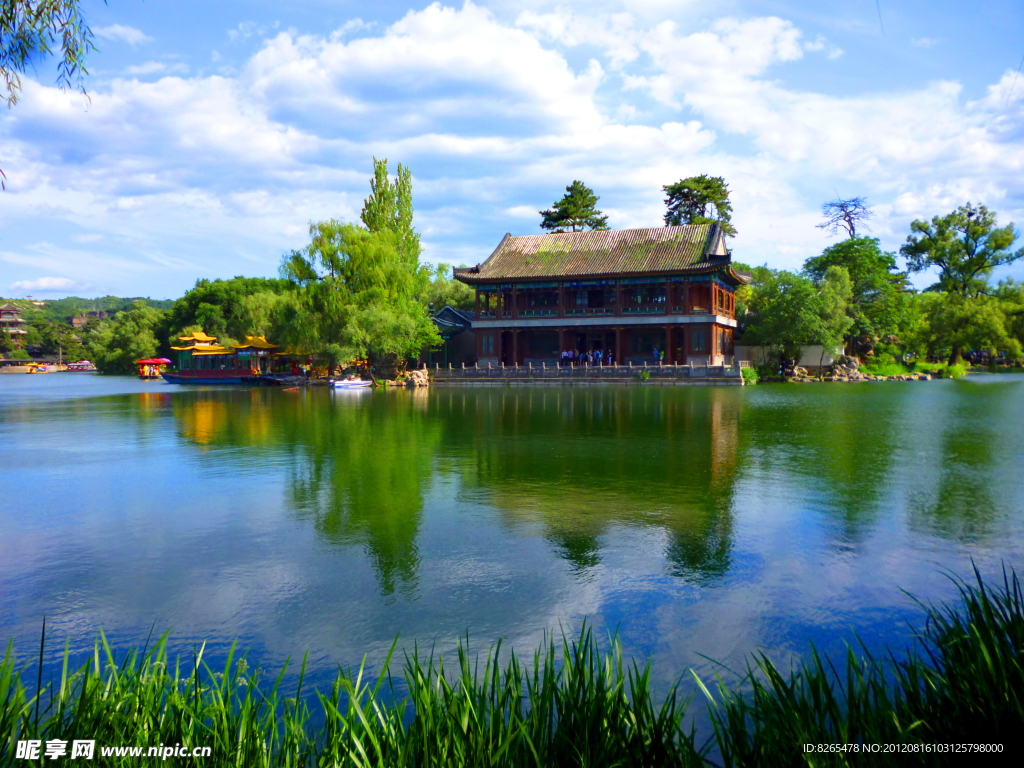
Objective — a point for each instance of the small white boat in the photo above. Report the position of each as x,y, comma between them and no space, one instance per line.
350,384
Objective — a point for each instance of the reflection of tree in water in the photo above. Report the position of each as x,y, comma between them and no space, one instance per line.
972,442
578,461
356,467
580,549
841,438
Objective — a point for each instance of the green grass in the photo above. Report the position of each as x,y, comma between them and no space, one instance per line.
961,682
895,368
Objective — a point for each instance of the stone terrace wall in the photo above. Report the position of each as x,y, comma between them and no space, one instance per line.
579,374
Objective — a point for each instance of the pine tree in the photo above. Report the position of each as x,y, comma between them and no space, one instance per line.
693,201
575,212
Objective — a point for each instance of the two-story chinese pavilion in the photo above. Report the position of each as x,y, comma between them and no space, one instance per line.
628,291
12,324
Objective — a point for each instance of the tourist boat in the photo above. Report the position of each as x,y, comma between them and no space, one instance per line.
41,368
350,384
201,360
81,365
152,367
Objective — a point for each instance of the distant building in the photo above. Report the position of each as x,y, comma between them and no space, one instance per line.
79,321
629,292
12,324
458,343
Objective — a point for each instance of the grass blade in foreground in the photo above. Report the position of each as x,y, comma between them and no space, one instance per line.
961,682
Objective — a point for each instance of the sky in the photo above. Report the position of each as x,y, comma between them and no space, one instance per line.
215,131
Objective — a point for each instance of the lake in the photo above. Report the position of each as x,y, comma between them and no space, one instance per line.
695,521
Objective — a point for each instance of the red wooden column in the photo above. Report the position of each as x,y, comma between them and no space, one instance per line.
669,352
477,303
515,345
515,304
618,307
618,345
479,343
561,309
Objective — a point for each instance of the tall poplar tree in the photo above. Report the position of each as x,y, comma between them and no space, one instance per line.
389,209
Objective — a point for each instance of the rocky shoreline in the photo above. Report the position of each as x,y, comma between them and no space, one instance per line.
845,369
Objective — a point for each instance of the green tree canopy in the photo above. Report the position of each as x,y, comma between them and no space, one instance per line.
699,200
54,338
389,209
965,246
133,335
953,323
575,212
445,291
782,312
878,299
358,295
231,309
834,293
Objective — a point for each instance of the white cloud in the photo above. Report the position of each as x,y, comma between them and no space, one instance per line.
924,42
205,176
613,33
521,212
123,33
49,285
247,29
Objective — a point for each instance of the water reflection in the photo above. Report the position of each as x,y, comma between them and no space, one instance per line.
577,465
354,468
700,520
580,462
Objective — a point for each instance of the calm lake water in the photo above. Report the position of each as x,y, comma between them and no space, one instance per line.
704,521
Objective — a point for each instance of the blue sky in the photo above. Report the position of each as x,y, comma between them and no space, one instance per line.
218,130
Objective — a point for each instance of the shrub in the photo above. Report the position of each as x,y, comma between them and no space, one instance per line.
749,375
956,371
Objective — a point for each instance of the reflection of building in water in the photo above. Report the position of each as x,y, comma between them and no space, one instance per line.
579,462
154,401
200,420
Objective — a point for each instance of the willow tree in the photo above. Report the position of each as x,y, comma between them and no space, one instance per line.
29,31
357,292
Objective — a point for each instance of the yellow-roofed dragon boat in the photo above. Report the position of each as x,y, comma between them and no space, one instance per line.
202,360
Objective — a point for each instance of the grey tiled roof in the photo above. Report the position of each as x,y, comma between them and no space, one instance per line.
610,252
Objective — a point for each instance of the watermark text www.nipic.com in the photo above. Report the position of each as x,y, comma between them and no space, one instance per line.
56,749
